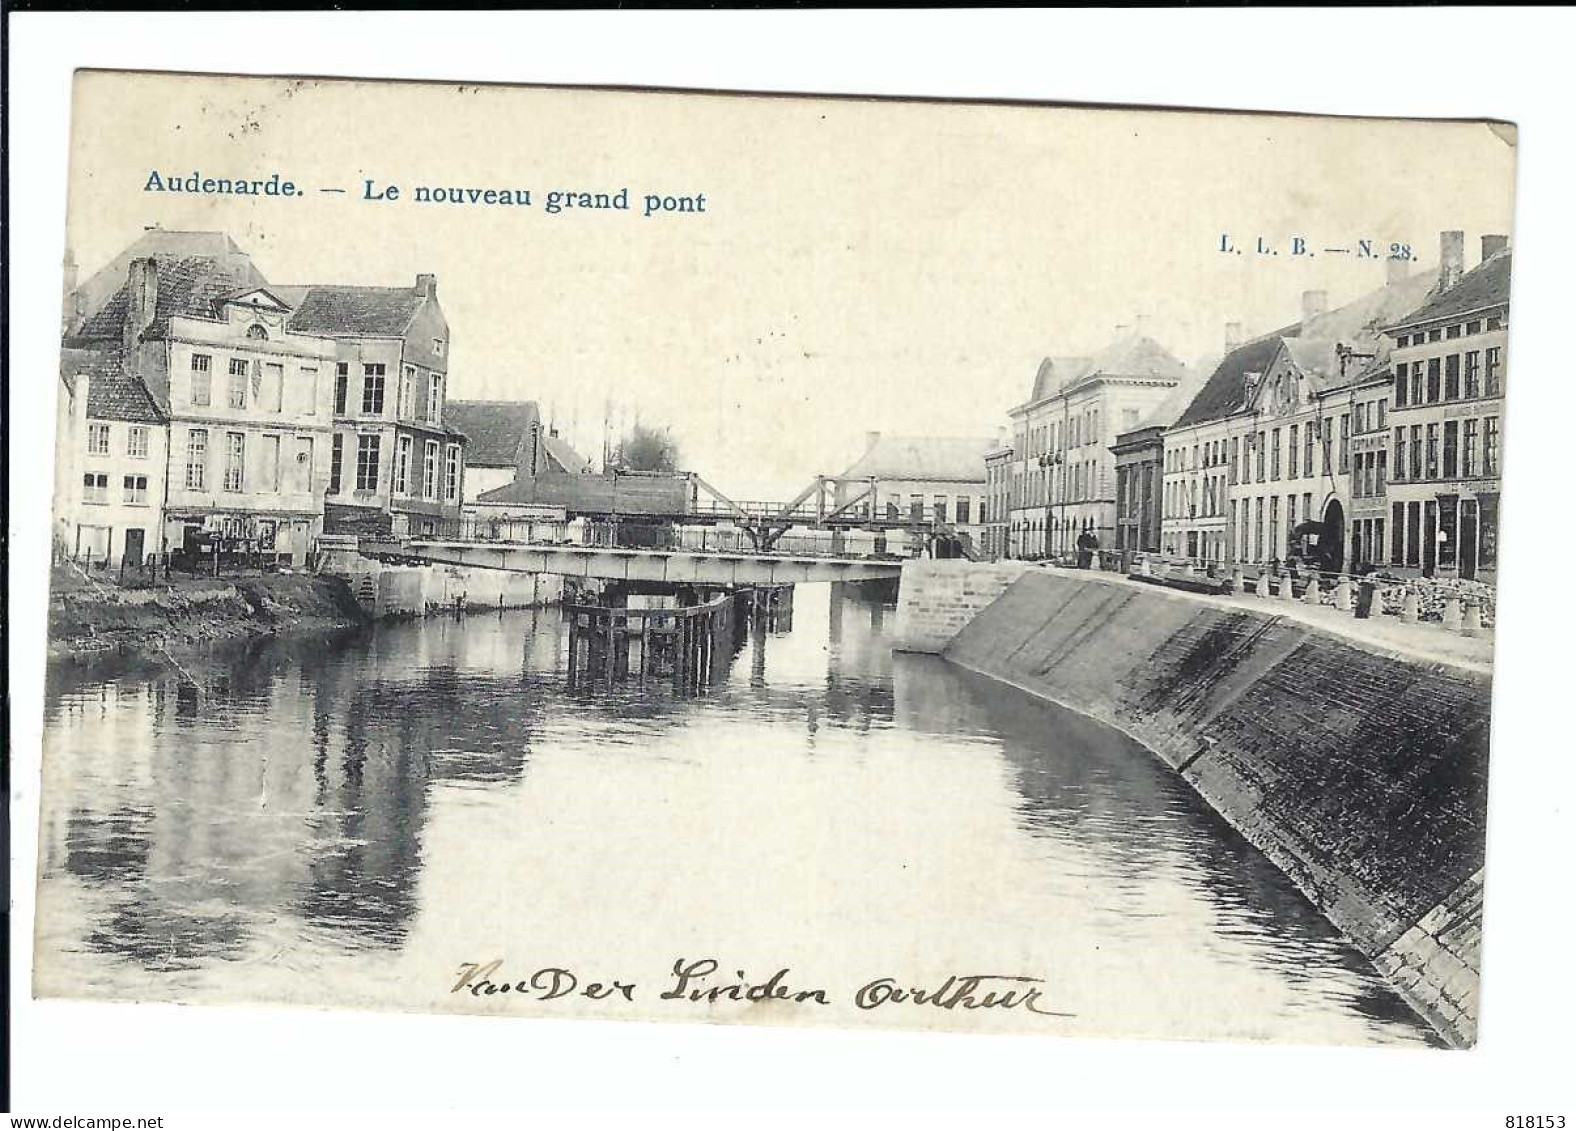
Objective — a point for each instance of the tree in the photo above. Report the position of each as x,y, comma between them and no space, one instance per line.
647,449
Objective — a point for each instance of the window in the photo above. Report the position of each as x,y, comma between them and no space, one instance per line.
407,393
336,462
1417,382
256,332
1416,462
451,480
1474,363
197,458
1400,453
1453,377
1384,403
1326,431
940,508
309,389
1452,430
137,441
274,386
341,388
1346,444
303,465
372,378
271,466
98,439
1400,382
202,378
1469,438
1379,473
367,462
1491,372
437,346
1433,379
1307,448
234,460
402,451
1258,463
1432,467
435,398
1233,461
95,488
1491,445
1275,454
237,382
1452,332
429,470
1291,452
134,490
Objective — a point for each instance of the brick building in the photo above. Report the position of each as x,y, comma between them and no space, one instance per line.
1447,389
506,440
395,465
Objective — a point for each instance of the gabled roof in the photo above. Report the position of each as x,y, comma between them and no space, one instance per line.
97,289
562,457
350,312
958,459
1223,393
495,429
192,286
113,392
1311,347
1484,287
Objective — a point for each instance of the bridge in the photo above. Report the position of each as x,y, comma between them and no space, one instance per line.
622,563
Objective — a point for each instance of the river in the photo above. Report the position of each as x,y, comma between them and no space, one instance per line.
353,820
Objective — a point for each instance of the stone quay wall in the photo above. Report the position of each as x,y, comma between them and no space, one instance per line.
937,598
1360,772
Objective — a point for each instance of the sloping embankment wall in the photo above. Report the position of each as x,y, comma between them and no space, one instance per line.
1363,776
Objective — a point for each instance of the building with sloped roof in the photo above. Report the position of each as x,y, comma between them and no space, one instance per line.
1260,466
923,479
396,464
110,454
1447,388
244,400
1063,481
506,440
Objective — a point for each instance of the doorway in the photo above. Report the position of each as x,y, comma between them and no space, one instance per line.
1469,538
133,552
1332,539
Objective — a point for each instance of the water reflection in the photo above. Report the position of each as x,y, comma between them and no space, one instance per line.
340,819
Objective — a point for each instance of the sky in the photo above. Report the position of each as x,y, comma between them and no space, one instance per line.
860,265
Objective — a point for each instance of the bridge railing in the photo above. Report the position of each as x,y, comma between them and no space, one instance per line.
636,535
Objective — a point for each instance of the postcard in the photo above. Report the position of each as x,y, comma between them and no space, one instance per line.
711,557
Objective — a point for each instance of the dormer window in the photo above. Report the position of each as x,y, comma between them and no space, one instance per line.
257,332
437,347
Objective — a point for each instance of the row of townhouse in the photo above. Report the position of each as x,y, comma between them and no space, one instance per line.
1361,437
200,404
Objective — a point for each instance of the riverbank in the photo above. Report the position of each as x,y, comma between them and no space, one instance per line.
89,618
1358,767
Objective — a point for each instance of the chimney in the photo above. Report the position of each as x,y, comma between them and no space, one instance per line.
142,300
1233,335
1249,383
1396,270
1493,245
1121,329
427,286
1452,258
1314,303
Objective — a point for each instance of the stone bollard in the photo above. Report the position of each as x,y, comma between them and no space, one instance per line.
1472,619
1286,592
1310,595
1188,569
1145,569
1451,617
1343,594
1262,587
1239,583
1409,607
